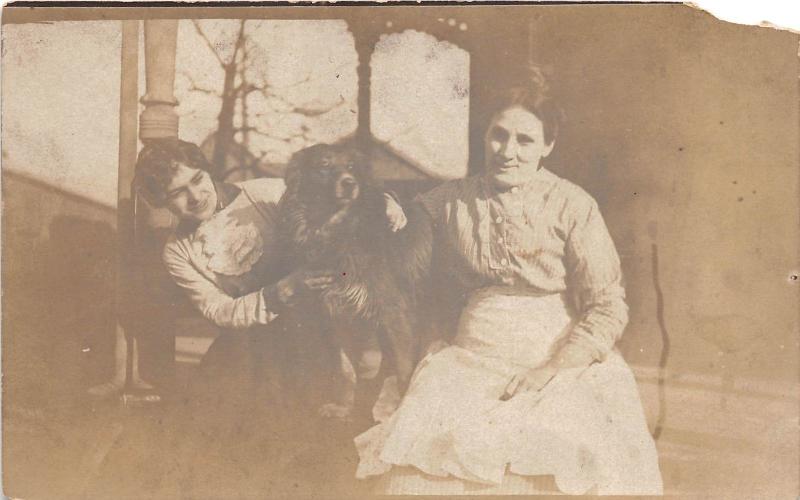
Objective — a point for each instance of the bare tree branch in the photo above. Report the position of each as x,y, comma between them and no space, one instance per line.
271,92
244,107
197,88
285,140
244,64
208,42
246,88
240,42
308,110
257,130
254,165
239,126
310,77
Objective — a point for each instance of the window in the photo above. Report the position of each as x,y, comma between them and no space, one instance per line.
420,101
291,84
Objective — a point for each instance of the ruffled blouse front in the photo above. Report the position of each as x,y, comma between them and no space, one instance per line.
224,263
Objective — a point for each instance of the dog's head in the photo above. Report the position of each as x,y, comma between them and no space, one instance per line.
333,175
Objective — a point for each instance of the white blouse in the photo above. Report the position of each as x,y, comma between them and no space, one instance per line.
225,262
547,236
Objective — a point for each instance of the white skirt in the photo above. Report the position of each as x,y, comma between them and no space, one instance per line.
585,428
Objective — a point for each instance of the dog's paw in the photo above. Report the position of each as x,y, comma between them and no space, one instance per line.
337,411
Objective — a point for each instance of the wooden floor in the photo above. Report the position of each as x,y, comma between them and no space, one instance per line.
719,441
105,450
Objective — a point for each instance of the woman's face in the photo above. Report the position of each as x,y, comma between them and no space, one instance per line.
191,194
515,147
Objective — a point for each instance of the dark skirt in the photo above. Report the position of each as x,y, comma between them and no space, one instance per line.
254,404
265,373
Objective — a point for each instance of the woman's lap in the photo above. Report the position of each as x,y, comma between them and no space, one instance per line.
581,419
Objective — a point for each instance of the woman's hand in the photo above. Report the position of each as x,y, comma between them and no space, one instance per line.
532,380
394,214
569,356
301,282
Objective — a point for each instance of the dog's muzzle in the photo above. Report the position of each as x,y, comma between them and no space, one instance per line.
347,188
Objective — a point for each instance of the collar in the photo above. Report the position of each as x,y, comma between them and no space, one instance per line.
542,176
226,193
515,201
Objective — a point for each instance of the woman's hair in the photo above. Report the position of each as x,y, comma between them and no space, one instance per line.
531,91
157,163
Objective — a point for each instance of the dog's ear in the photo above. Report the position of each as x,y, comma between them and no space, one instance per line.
292,175
297,164
303,160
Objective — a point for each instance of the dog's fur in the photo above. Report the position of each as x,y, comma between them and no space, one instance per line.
333,216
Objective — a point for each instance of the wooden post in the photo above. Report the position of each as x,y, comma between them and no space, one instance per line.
128,108
159,118
365,38
124,348
128,144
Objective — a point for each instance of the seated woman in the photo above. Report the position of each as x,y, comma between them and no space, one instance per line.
531,397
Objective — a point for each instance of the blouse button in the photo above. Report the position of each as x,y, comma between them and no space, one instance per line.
504,262
499,219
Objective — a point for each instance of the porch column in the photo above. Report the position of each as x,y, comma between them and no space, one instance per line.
128,143
365,37
151,226
159,118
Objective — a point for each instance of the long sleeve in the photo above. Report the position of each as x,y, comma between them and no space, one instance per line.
213,303
595,278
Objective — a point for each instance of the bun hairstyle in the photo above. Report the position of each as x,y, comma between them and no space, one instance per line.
157,163
530,89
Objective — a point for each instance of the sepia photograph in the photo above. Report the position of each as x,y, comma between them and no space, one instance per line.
345,251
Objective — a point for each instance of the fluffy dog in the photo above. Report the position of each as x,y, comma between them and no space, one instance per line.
333,217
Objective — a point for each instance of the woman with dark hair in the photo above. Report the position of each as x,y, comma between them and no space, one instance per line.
224,254
530,396
258,375
223,251
224,248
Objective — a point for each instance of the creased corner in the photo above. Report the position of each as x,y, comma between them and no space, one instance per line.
784,16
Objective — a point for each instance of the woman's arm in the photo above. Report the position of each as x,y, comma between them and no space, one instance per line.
256,308
595,279
213,303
